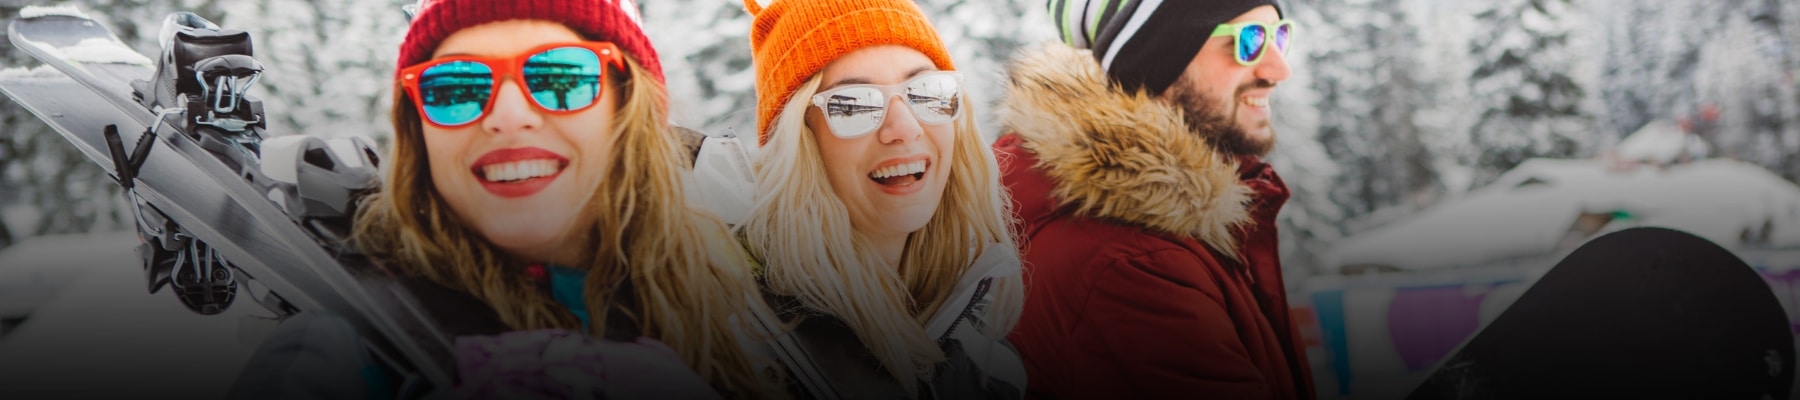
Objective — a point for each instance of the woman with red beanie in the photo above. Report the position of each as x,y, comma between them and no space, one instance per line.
533,170
878,217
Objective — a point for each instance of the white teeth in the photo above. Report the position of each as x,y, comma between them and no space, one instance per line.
898,170
1259,102
520,170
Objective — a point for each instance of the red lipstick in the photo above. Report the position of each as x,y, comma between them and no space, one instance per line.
519,188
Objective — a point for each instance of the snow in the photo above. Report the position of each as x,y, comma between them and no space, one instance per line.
1659,142
44,11
1527,212
104,51
95,51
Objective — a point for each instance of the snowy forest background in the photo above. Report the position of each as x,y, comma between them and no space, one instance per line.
1395,105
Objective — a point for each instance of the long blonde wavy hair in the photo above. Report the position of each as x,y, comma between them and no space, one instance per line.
801,232
689,278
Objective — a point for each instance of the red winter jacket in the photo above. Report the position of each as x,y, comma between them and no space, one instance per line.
1134,229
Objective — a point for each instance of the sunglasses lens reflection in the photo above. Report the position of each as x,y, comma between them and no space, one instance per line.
933,98
854,111
563,79
1281,37
455,92
1250,43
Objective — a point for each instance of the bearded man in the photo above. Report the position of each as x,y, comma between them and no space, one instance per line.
1133,152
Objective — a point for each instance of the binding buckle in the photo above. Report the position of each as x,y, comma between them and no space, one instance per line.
224,80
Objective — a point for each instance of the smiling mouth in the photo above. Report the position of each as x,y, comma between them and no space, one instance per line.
899,174
520,171
1258,102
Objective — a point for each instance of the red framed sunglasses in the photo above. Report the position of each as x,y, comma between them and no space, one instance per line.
559,78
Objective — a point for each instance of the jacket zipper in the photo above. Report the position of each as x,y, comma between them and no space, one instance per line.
980,290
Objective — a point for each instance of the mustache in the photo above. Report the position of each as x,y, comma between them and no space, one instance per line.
1257,84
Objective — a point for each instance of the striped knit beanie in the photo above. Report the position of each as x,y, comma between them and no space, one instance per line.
1144,44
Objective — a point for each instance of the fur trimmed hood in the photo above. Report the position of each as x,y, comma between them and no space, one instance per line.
1124,157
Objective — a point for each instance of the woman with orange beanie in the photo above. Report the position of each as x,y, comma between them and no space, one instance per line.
534,175
878,217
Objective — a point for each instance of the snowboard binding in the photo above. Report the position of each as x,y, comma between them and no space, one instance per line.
205,204
207,71
203,281
200,87
203,75
319,182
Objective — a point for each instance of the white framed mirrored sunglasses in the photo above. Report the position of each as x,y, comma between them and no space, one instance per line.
852,111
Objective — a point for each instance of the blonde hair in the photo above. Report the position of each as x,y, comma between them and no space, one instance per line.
801,232
689,278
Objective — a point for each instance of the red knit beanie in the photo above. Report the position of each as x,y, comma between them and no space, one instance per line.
613,21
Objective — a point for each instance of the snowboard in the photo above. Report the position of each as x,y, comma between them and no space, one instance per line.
1638,313
215,220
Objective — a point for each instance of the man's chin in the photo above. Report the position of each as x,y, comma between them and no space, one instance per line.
1256,140
1224,129
1258,147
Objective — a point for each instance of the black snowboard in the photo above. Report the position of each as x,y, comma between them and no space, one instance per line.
86,92
1639,313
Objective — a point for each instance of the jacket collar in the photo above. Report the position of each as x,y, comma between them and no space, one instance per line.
996,260
1118,156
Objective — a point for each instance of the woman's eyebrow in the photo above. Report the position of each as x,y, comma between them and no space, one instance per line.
856,80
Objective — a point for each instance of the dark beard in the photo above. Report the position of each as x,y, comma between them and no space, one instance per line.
1204,118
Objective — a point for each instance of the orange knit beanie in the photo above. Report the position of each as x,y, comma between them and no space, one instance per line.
791,40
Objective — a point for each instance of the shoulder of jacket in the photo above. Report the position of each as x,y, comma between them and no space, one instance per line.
723,181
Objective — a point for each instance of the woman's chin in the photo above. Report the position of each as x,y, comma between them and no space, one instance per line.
907,220
528,240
